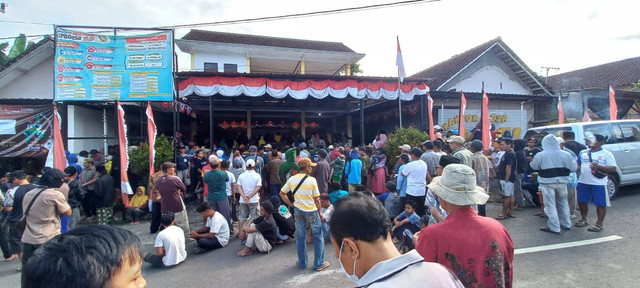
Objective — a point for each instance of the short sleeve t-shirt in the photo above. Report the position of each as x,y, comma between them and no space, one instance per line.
416,173
218,224
182,162
413,218
217,182
509,158
602,157
232,179
268,228
303,199
249,180
172,239
43,220
327,212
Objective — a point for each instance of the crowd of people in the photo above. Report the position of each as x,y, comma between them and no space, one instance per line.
378,218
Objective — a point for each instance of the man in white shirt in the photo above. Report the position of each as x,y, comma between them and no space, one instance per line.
327,210
416,173
214,234
170,244
248,185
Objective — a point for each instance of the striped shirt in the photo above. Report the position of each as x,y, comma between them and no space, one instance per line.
306,192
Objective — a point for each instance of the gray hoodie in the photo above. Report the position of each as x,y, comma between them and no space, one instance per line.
554,166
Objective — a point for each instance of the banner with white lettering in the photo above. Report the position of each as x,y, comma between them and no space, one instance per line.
513,120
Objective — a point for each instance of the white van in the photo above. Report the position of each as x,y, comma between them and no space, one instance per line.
622,138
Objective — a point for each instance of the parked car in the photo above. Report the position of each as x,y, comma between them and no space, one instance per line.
622,138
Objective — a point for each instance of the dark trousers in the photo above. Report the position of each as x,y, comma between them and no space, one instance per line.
222,207
4,240
156,261
420,210
27,252
136,213
89,203
482,210
404,234
274,189
156,214
209,243
234,213
15,238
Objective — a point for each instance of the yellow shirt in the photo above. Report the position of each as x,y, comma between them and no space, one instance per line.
305,194
138,200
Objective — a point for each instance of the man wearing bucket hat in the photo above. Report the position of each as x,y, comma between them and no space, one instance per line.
485,240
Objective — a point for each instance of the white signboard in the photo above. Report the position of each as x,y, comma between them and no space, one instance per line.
514,120
7,127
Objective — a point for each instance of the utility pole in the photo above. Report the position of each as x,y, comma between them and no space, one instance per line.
547,75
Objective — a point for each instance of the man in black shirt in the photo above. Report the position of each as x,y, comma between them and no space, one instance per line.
262,232
506,175
14,207
570,142
105,193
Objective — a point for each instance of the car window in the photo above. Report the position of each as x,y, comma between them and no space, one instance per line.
602,129
617,132
630,132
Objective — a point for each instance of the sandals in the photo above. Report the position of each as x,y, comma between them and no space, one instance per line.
501,217
324,266
511,216
548,230
581,223
596,228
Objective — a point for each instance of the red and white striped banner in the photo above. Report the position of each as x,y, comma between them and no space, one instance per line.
486,122
151,132
59,157
432,134
124,156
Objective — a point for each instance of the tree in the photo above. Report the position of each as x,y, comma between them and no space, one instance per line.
636,86
410,135
19,46
355,70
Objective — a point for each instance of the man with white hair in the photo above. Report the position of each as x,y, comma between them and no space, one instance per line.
554,173
484,256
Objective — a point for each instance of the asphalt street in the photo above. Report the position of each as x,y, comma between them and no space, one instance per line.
576,258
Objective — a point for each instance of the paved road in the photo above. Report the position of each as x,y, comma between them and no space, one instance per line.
605,264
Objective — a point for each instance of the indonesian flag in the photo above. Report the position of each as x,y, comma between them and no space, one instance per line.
463,106
152,132
586,117
400,63
59,158
486,122
613,107
432,134
125,188
560,109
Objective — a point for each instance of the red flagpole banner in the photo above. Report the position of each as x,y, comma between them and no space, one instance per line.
486,122
432,134
152,132
400,63
560,109
613,106
463,106
125,188
585,117
59,159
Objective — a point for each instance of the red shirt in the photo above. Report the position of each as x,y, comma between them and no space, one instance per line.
205,169
477,249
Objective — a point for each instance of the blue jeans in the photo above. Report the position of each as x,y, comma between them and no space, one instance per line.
274,189
325,231
313,219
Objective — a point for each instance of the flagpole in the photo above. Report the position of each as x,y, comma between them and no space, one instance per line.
399,104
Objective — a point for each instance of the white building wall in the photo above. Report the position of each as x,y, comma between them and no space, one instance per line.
239,59
87,122
36,83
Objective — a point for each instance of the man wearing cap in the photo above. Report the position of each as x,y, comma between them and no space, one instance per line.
43,218
262,233
273,170
437,147
308,211
459,151
105,193
249,184
484,256
506,175
75,196
337,165
353,171
183,166
170,189
438,132
404,149
13,205
430,157
591,188
322,172
216,180
259,161
554,167
416,173
480,165
87,180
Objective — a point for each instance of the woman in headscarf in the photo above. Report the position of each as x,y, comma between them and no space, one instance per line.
379,167
380,141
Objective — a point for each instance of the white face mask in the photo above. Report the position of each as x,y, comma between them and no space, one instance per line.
353,277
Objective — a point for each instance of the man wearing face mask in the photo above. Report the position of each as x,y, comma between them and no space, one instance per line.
361,237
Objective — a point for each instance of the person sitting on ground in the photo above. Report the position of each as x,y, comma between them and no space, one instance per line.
80,250
327,210
405,224
336,192
361,238
392,203
138,205
261,234
284,220
170,244
215,233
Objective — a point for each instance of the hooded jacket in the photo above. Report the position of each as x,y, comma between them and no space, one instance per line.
554,166
285,167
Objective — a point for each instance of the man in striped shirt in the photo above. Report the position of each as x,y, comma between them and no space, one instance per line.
306,207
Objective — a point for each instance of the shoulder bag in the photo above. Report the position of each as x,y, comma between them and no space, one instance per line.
291,194
596,172
23,221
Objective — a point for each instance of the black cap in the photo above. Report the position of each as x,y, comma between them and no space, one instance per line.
70,171
84,153
446,160
18,174
428,144
101,169
94,151
268,207
52,178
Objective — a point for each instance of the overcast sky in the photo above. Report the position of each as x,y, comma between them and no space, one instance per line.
568,34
